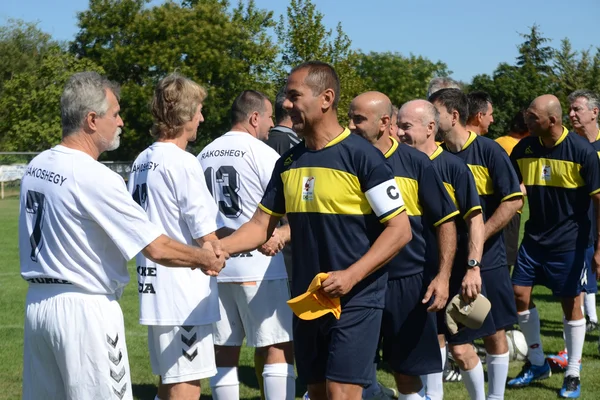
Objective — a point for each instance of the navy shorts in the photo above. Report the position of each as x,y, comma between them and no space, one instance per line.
500,294
562,272
589,284
337,350
465,335
409,333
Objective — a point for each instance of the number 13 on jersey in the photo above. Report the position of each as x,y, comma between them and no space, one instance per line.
224,185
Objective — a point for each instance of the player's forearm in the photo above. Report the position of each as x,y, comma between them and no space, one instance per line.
252,234
503,214
446,238
393,238
476,236
170,253
285,233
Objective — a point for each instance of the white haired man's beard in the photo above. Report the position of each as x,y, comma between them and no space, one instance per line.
114,144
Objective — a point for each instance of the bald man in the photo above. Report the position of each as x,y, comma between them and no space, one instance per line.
500,197
418,122
409,332
560,171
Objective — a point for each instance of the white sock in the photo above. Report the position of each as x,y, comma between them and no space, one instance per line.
279,381
590,307
434,383
575,337
444,354
497,367
225,384
529,322
414,396
475,382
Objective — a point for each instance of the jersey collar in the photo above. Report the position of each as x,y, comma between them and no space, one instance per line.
436,153
339,138
560,139
392,149
598,136
471,139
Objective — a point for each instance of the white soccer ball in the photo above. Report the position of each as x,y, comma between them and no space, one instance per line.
517,345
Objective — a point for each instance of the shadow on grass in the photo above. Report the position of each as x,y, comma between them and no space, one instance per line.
144,391
534,384
247,377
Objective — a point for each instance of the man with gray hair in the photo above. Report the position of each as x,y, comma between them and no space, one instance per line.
441,82
418,122
583,113
78,227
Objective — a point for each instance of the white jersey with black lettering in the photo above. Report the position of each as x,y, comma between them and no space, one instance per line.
238,168
168,183
78,225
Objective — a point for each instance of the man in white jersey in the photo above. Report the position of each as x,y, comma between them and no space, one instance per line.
253,289
178,305
78,226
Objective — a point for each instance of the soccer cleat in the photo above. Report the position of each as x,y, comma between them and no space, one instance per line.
571,388
451,372
558,362
530,373
388,391
591,326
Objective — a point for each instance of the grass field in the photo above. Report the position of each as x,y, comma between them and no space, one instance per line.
12,299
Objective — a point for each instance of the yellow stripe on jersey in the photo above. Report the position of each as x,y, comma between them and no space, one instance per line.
483,180
451,193
562,137
409,188
549,172
323,190
265,209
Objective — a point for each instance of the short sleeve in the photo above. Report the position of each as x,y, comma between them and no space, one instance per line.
198,208
434,197
466,193
590,171
273,201
266,161
104,198
501,170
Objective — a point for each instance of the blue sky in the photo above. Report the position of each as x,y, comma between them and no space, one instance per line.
470,36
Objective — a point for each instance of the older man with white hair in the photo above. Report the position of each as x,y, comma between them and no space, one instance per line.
78,226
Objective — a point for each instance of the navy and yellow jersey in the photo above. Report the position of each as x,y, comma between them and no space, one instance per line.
459,183
596,144
336,200
559,182
428,205
496,181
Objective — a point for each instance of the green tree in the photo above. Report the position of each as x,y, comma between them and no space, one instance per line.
22,48
226,51
303,37
513,87
401,78
30,104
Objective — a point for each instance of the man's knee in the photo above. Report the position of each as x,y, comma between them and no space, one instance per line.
464,355
408,384
496,343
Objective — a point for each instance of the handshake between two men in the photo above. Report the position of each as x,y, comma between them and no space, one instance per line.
219,252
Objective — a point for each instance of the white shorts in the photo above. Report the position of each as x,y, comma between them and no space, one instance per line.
74,345
258,312
182,353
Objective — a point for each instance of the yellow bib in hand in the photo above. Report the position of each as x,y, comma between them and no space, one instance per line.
314,303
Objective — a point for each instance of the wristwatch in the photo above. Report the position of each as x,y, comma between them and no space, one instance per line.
473,263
